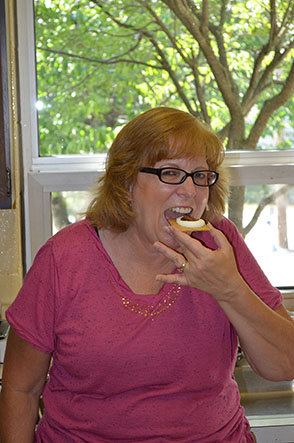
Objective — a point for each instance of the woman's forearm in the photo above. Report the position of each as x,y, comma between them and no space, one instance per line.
24,375
266,336
18,417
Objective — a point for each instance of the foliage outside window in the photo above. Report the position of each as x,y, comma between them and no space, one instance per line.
101,62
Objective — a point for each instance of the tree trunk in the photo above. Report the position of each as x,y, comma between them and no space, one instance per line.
236,203
59,212
282,221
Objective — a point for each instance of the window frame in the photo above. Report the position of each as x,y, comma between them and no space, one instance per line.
5,167
43,175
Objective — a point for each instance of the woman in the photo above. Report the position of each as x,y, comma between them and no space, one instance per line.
142,320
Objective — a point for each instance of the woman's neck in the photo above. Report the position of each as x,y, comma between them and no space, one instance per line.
137,264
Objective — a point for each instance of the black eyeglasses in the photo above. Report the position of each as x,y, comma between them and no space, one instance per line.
176,176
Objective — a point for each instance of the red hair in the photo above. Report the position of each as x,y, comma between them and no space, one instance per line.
157,134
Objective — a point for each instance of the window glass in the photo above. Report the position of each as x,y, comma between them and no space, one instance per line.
82,102
68,207
101,63
271,239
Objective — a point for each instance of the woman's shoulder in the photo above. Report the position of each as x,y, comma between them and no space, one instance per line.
72,239
228,228
73,232
225,224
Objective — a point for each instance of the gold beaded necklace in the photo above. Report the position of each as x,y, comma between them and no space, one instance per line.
153,311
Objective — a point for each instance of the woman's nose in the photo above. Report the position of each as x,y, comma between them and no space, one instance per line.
188,187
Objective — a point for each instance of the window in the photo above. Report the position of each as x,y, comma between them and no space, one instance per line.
263,172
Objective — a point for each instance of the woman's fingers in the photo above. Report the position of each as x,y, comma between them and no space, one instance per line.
174,256
187,243
212,271
196,247
218,236
178,279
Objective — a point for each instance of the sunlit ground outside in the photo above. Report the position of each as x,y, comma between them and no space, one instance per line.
276,260
263,240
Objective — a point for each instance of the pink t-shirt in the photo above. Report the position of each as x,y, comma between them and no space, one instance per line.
118,375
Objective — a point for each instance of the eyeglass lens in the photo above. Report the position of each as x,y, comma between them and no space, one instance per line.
200,178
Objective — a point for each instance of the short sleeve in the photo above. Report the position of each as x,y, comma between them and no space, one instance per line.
32,314
249,267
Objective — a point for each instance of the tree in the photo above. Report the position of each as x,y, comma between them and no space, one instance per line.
217,59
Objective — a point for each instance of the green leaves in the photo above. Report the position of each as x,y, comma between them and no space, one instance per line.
101,62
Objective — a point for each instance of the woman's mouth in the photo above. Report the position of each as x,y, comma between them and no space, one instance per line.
177,211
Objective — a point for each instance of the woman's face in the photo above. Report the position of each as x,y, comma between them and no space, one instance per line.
154,202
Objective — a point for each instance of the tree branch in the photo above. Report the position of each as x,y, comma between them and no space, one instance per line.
162,59
251,91
268,108
200,93
192,62
205,16
168,34
165,65
275,39
223,13
218,34
287,20
224,132
258,85
110,61
273,21
223,79
266,201
79,83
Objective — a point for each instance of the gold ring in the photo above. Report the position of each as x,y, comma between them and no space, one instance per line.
182,267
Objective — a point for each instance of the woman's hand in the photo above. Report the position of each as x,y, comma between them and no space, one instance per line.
266,336
212,271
